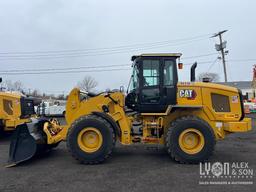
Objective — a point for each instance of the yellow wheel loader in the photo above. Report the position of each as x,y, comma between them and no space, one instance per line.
14,110
185,117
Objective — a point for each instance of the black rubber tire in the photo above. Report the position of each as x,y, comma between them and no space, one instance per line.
2,132
172,140
105,129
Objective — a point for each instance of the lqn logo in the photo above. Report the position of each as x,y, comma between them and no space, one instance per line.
225,173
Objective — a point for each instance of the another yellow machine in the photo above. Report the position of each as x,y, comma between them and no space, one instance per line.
186,117
14,110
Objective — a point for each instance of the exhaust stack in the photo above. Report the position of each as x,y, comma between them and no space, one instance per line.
192,72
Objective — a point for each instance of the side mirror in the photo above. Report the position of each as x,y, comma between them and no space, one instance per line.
1,80
121,89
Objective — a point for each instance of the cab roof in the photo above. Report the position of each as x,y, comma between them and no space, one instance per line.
156,55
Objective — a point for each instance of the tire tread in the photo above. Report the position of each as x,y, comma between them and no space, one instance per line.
72,128
169,144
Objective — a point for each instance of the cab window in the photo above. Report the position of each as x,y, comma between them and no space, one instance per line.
168,72
150,72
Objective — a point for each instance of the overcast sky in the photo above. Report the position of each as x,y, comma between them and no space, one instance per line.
57,25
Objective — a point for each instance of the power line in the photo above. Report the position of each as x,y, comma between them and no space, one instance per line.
71,55
61,72
241,60
213,63
199,63
196,56
104,48
48,71
69,69
109,66
85,67
85,54
64,68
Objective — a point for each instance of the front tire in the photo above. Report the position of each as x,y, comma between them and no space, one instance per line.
190,140
2,132
91,139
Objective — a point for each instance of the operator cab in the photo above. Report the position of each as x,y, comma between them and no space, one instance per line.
153,84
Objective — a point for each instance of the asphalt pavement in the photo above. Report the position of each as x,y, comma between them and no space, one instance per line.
131,168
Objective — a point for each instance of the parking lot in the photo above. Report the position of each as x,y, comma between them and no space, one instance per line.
131,168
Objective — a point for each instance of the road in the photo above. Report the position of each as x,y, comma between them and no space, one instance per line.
131,168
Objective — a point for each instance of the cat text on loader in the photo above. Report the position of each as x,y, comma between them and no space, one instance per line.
186,117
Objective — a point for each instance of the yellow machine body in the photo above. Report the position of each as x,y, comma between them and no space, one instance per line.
10,111
201,106
186,117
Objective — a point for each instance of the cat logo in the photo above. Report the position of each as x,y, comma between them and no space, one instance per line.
187,93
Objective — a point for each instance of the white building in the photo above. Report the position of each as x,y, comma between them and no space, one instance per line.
244,86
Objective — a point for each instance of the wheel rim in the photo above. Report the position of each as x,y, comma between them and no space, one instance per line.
89,139
191,141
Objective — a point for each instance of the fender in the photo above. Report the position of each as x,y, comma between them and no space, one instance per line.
109,119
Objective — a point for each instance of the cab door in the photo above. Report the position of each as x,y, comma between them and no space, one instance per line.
150,92
158,84
150,86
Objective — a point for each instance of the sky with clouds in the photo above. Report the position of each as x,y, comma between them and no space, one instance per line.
44,26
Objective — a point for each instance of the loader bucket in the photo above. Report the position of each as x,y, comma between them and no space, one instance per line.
28,140
22,147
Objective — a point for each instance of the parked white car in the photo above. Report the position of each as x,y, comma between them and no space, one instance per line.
251,105
51,108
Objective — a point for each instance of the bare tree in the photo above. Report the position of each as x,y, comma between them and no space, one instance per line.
51,96
213,77
7,85
13,86
35,93
61,97
88,83
18,86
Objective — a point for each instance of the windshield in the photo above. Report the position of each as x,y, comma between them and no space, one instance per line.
134,81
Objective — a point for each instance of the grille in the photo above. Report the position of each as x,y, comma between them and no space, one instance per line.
27,107
220,103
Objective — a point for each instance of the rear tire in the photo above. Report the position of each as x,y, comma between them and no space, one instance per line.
190,140
102,134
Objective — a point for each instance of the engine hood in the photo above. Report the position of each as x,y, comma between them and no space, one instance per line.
208,85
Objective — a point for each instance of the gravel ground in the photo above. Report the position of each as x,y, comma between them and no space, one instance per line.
131,168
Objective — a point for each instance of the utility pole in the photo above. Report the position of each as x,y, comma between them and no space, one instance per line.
221,47
254,81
